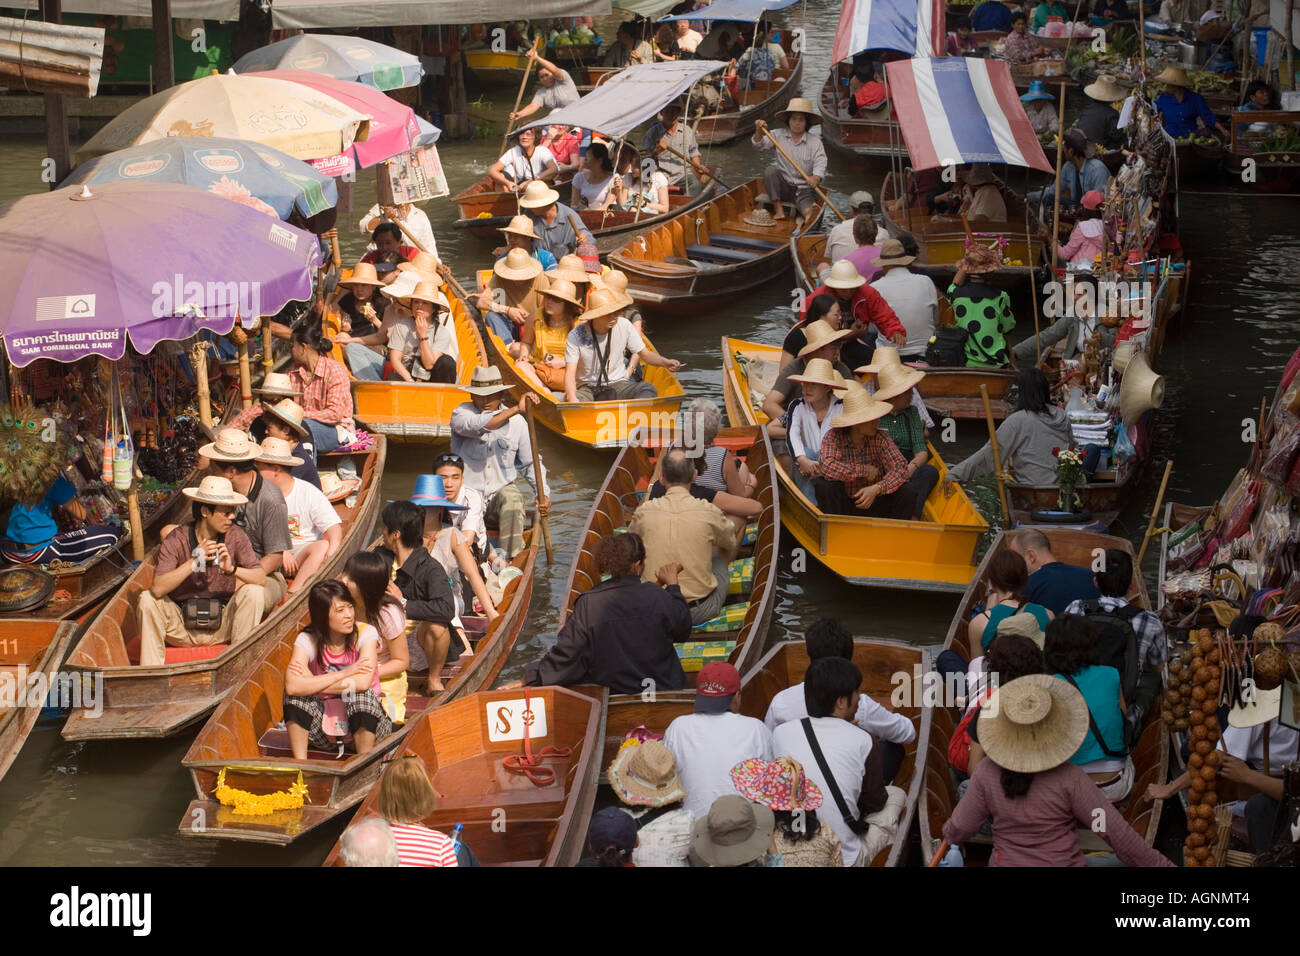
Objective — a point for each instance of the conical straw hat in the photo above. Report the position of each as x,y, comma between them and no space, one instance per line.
859,407
895,380
1033,723
882,356
1141,390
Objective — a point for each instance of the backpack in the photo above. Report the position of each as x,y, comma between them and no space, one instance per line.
1117,642
947,346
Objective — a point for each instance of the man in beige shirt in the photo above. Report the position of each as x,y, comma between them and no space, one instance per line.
691,532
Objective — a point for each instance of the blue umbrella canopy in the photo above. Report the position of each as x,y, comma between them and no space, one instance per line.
238,169
342,57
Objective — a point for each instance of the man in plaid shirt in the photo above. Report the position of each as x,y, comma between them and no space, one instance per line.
863,472
326,393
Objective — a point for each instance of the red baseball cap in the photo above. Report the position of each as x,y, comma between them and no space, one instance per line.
717,679
1092,199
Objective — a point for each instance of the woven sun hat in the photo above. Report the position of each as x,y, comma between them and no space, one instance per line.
645,775
859,407
538,195
895,380
430,492
818,371
615,280
604,302
277,451
844,275
978,175
1266,705
517,265
820,334
759,216
570,268
563,290
520,226
277,385
980,259
486,380
735,831
363,273
800,105
291,413
425,263
1037,91
402,287
776,784
1033,723
1105,90
231,445
426,291
893,254
1022,625
213,490
1173,76
882,356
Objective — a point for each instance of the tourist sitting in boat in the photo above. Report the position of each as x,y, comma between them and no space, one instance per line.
1038,799
641,186
810,420
1009,655
493,442
1075,330
843,759
612,837
519,234
701,421
1053,583
865,306
798,838
593,184
710,741
1008,578
367,576
525,162
615,281
1027,438
315,529
596,370
665,46
896,384
866,95
734,833
368,844
960,42
829,310
672,144
627,50
823,342
564,145
207,582
1038,107
862,472
842,238
756,65
1020,45
1180,107
512,297
1099,120
334,670
361,311
326,392
1081,173
32,535
452,549
406,797
414,225
680,528
423,583
599,645
981,308
556,88
469,517
578,270
912,297
539,353
740,510
644,778
559,229
782,181
422,346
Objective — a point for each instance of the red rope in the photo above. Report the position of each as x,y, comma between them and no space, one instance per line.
529,764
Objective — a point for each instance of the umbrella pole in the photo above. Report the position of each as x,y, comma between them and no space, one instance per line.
451,281
519,98
817,189
268,347
199,358
245,374
1033,283
997,456
137,523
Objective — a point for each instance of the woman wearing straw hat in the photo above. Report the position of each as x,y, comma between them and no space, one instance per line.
981,308
512,297
1038,799
573,269
362,310
1042,117
519,234
539,353
823,342
811,420
594,353
896,384
1181,107
523,163
863,472
422,346
833,312
1099,120
798,837
644,777
783,182
558,228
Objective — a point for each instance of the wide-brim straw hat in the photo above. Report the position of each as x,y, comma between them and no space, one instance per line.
520,226
979,175
538,195
486,380
800,105
277,451
1033,723
859,407
1037,91
883,355
1105,90
818,371
570,268
1140,390
615,280
1266,706
363,273
401,287
645,775
277,385
214,490
844,275
776,784
892,253
735,831
604,302
980,259
1022,625
760,217
895,380
425,263
1173,76
231,445
426,291
517,265
291,413
820,334
563,290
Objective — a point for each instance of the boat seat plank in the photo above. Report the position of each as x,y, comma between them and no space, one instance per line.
719,254
178,655
742,242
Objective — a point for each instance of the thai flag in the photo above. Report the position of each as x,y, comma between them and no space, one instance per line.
913,27
959,109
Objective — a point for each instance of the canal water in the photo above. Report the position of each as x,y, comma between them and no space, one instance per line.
120,803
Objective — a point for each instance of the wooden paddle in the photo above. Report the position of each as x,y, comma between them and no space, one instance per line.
1056,205
1155,512
519,98
451,281
1033,285
698,170
808,179
997,456
537,471
939,854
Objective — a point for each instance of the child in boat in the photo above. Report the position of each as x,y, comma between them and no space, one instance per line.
539,353
406,796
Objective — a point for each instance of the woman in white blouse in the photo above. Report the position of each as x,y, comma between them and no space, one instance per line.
593,184
643,186
810,420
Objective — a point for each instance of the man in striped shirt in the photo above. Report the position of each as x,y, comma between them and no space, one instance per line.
863,472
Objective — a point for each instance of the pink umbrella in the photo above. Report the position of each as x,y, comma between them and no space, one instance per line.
392,124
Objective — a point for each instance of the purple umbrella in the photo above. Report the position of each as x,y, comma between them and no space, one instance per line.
79,272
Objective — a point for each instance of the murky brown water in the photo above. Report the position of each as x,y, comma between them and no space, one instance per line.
120,803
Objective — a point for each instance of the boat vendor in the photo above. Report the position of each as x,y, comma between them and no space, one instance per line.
594,353
1048,9
669,140
559,229
782,181
326,393
556,90
414,223
524,162
1075,329
1027,438
896,384
863,472
1042,116
1020,45
492,440
982,309
1180,107
315,528
422,345
1112,10
1099,120
1080,173
32,535
911,295
539,353
519,234
861,301
993,15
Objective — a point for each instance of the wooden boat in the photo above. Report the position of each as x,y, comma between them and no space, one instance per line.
880,662
244,736
490,68
871,134
1253,161
420,411
709,255
30,653
617,499
159,701
463,745
949,391
936,554
1150,756
941,240
485,207
763,102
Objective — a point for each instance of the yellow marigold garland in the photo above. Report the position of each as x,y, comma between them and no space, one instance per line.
260,804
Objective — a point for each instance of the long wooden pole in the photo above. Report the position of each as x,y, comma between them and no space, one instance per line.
163,66
137,523
245,375
519,98
268,348
200,360
1056,205
451,281
997,456
702,172
1155,512
537,471
800,170
1033,283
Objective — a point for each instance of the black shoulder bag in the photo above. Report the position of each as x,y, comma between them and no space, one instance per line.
851,820
1092,725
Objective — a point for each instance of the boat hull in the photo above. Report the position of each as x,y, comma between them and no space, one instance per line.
31,651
